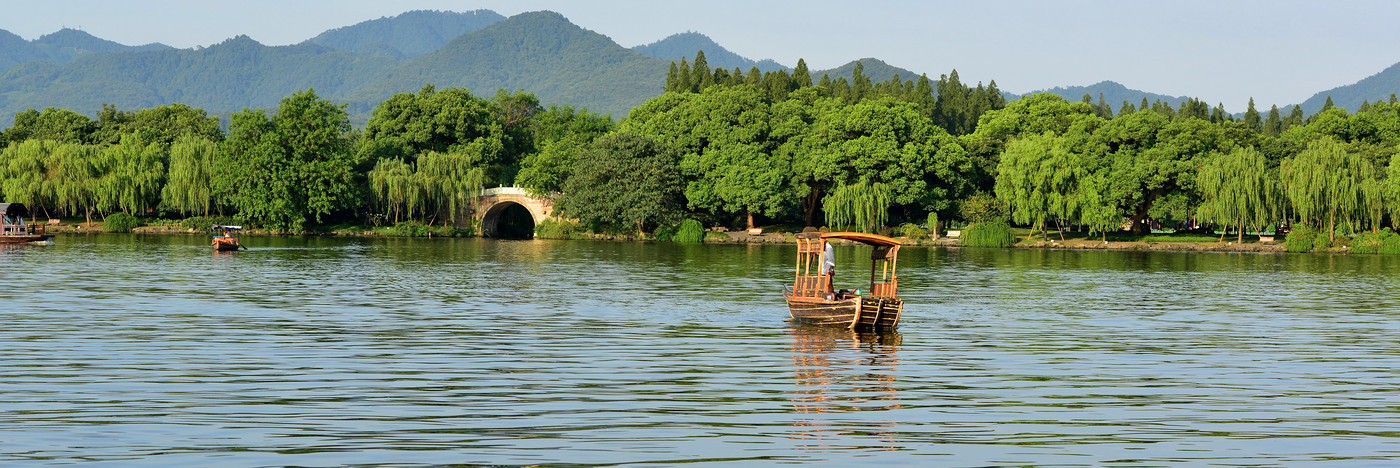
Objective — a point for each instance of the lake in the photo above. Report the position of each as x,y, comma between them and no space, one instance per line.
154,350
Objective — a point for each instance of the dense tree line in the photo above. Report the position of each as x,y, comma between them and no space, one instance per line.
731,148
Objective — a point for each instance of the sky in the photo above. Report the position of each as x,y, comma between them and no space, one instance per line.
1222,51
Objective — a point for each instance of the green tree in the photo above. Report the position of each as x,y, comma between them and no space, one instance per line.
800,76
1038,181
189,182
61,125
560,134
292,169
624,180
1325,182
1237,189
1273,126
133,175
863,206
1251,117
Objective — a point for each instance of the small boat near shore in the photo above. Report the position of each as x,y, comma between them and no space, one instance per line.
225,241
13,229
811,299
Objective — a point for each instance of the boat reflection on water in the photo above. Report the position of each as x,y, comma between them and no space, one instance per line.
840,371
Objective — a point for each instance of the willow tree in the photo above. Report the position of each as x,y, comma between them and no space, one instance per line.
863,205
450,181
22,173
394,188
72,178
1236,189
188,184
133,176
1324,182
1037,179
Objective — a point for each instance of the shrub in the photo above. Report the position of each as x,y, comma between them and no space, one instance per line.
409,229
689,232
1369,242
989,234
558,229
912,231
1390,245
120,222
1300,239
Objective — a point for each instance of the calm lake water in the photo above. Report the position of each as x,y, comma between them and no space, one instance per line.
131,349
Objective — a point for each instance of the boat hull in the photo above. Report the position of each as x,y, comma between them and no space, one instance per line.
26,239
854,312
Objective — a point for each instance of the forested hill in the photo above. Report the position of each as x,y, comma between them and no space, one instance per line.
1377,87
875,69
59,47
225,77
539,52
684,45
1113,94
407,35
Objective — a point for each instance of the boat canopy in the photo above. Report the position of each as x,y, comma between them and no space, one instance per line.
227,228
14,210
867,239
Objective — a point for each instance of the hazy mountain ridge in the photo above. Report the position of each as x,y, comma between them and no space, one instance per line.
1377,87
60,47
411,34
1113,94
684,45
540,52
224,77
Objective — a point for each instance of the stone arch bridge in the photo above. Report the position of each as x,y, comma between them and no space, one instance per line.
497,207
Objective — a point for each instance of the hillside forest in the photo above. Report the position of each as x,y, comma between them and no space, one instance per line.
728,148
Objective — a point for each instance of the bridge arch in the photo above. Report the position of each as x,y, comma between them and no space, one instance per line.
500,203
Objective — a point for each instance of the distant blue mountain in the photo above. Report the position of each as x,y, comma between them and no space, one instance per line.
1377,87
1113,94
684,45
407,35
59,47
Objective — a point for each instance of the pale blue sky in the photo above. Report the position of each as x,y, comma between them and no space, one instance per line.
1279,52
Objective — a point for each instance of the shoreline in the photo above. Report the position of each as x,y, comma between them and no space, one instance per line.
741,237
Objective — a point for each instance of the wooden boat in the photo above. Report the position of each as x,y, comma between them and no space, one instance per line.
13,230
226,242
812,300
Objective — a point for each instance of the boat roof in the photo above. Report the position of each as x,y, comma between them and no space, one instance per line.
868,239
13,209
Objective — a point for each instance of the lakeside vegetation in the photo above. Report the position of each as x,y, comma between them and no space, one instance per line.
738,150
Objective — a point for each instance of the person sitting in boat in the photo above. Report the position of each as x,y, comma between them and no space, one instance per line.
828,267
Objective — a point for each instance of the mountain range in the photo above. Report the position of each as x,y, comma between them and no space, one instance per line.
365,63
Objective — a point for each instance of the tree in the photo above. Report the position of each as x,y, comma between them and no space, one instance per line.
133,175
61,125
1251,117
863,206
1274,125
1325,182
292,169
800,76
700,77
189,182
560,134
624,180
71,179
1038,181
1237,189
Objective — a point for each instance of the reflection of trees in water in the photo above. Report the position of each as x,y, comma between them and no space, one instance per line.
841,371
